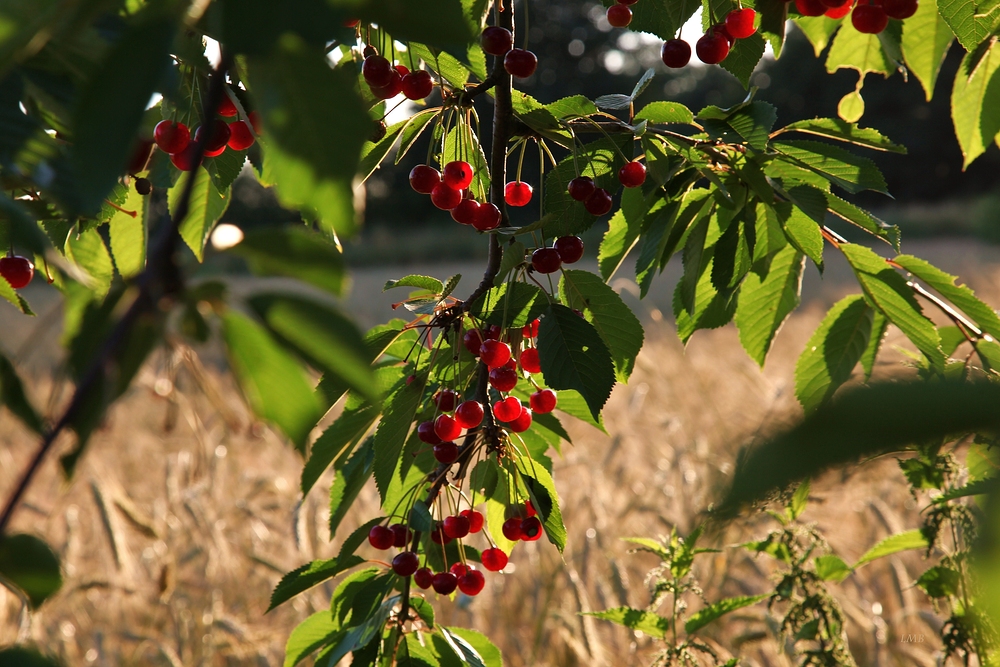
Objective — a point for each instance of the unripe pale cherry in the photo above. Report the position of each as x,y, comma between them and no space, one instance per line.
570,248
517,193
543,401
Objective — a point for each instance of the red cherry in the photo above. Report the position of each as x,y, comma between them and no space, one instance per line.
423,578
469,414
529,509
456,527
425,431
445,198
240,136
493,332
508,409
216,143
457,174
405,564
531,529
520,63
546,260
488,217
503,378
445,400
720,28
739,23
458,569
140,156
530,330
446,452
494,353
446,428
473,341
351,23
391,89
494,559
445,583
543,402
185,159
424,178
581,187
475,520
627,2
418,85
899,9
570,248
496,41
227,108
869,19
255,123
17,270
675,53
472,582
401,535
512,528
598,203
517,193
529,361
466,212
840,11
378,71
381,537
171,137
712,48
522,423
810,7
619,15
438,536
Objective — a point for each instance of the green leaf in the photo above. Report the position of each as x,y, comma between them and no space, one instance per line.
18,301
975,103
769,294
703,617
31,565
617,325
296,252
743,58
959,295
833,351
207,206
926,38
19,656
432,285
839,130
819,30
879,324
888,291
773,19
754,121
462,144
86,249
863,219
647,622
440,23
12,395
975,488
112,103
274,384
573,356
967,20
309,636
130,235
412,131
844,169
855,425
664,112
399,411
542,491
303,578
854,50
511,305
316,125
513,256
225,168
372,153
623,232
911,539
337,441
488,653
852,106
326,338
799,500
802,232
940,582
831,568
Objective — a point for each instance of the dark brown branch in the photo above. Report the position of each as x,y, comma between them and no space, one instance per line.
160,279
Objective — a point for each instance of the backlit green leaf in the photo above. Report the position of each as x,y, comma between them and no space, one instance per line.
573,356
31,565
769,294
703,617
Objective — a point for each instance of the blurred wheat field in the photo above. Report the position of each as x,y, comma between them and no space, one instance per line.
185,512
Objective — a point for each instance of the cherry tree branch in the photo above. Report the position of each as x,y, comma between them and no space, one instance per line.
160,279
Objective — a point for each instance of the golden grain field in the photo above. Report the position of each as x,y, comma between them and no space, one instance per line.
184,512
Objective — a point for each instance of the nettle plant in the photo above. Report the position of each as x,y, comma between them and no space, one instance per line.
451,413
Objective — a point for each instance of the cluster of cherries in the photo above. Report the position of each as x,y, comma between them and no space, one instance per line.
386,80
868,16
449,191
16,270
176,140
712,47
499,42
